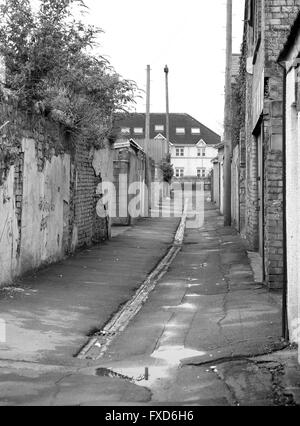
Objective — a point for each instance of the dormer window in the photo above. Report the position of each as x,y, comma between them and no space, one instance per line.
138,130
196,131
125,130
159,128
180,131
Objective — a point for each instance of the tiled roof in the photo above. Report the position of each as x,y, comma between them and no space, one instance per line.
138,120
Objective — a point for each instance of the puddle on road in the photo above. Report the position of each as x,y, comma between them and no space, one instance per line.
167,361
174,354
136,375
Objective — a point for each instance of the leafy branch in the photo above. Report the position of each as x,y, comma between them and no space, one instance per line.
51,68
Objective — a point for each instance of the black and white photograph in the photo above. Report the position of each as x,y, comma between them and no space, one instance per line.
150,206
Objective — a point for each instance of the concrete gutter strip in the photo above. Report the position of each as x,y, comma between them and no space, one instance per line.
181,229
98,345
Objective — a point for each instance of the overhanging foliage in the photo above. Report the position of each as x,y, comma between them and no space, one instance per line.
51,68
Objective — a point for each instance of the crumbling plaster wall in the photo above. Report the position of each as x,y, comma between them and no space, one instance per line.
48,194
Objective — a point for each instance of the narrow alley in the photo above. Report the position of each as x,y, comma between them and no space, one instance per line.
149,206
208,334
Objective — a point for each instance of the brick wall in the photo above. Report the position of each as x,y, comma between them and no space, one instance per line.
242,182
280,15
273,193
251,216
90,228
263,118
48,193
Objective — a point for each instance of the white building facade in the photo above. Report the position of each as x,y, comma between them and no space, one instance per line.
192,160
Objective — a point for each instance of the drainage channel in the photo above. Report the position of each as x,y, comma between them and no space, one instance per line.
98,345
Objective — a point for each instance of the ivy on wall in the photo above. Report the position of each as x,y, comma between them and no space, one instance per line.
239,97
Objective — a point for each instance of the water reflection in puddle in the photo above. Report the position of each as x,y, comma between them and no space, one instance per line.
167,360
174,354
137,374
106,372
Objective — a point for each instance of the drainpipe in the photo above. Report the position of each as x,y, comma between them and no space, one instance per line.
285,325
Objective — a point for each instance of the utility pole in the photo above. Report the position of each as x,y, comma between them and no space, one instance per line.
147,132
228,119
167,106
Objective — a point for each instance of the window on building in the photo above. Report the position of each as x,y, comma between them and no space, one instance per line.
201,152
180,131
201,173
125,130
179,152
159,128
138,130
196,131
179,172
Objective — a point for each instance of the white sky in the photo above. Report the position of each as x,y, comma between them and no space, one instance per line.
187,35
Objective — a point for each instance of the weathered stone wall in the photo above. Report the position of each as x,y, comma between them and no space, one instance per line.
45,198
273,196
235,171
251,217
47,194
279,16
264,38
242,182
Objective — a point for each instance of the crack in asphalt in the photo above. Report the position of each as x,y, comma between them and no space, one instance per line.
233,400
224,272
57,390
238,357
163,331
